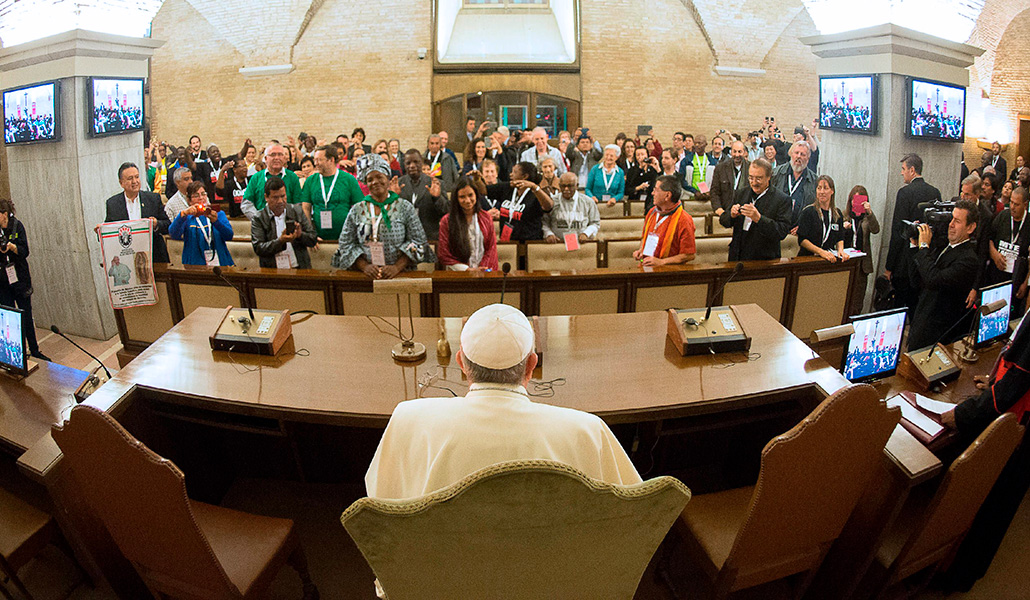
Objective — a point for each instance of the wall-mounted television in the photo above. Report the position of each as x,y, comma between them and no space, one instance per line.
936,111
32,113
115,106
848,103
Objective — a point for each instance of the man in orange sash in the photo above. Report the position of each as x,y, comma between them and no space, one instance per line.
668,237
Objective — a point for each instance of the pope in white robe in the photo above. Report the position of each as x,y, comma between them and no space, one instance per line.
431,443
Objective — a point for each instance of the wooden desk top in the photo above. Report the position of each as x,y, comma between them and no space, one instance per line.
28,407
619,366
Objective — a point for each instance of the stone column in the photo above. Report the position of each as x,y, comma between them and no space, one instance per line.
873,161
59,188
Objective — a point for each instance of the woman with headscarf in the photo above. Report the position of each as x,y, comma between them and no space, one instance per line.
381,236
1007,389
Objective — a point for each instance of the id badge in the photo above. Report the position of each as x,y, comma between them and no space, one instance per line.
571,242
1009,251
747,223
378,254
325,219
643,197
650,244
506,233
214,177
605,198
12,275
282,260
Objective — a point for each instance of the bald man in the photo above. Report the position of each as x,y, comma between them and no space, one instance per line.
275,163
729,176
541,150
572,213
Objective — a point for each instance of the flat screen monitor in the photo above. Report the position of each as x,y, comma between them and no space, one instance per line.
874,348
848,103
31,114
115,106
937,111
12,342
995,325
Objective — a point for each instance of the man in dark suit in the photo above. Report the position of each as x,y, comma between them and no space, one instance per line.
729,176
796,181
943,277
995,160
134,204
281,233
906,208
759,216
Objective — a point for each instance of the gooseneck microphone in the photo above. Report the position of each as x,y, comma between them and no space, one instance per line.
985,309
86,352
711,301
505,269
218,271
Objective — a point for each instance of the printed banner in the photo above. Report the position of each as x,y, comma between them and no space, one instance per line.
128,264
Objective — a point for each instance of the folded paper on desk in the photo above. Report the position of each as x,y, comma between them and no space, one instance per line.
920,415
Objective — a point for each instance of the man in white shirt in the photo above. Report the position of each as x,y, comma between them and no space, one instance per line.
431,443
572,213
541,150
182,178
281,233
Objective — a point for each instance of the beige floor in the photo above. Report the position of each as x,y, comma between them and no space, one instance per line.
61,352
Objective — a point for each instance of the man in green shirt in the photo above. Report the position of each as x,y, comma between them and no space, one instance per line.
328,194
254,195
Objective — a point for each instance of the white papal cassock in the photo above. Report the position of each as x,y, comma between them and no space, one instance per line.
431,443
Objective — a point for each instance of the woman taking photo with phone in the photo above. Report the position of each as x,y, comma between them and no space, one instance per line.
203,231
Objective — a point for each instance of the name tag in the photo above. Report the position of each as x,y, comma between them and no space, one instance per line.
747,223
702,187
571,242
650,244
605,198
643,196
282,260
325,219
1008,250
12,274
378,253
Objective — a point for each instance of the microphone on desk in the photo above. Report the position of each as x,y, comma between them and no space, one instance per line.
86,352
505,269
708,309
218,271
985,309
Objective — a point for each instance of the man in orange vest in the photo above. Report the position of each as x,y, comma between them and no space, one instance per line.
668,237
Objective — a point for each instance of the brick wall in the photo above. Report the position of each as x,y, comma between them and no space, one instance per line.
356,64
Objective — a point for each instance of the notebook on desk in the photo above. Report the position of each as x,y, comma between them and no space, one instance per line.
921,416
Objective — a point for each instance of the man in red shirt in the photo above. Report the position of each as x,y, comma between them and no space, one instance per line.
668,237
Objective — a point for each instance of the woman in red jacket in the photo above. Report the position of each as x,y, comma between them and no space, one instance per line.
467,237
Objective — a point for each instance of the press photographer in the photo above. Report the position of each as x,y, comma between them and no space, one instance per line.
942,275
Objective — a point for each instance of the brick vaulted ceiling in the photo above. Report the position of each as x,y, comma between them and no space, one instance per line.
741,32
265,33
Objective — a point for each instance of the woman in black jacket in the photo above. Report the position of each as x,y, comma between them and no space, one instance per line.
16,287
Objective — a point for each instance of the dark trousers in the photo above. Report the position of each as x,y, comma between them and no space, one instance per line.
11,299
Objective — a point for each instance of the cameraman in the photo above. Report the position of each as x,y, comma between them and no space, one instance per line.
942,277
906,208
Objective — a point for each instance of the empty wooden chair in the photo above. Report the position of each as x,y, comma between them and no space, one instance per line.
810,480
24,532
522,529
925,535
181,548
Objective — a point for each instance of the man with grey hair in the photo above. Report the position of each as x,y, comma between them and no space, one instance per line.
181,178
441,165
431,443
797,181
573,213
541,150
254,195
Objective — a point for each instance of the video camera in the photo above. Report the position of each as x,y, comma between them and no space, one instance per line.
935,214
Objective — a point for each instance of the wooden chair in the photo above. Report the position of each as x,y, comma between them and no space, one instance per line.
811,478
181,548
522,529
24,532
924,536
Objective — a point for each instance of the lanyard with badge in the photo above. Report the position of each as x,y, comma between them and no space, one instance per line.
568,214
651,243
794,188
209,254
608,181
375,247
283,258
12,273
507,229
325,216
1010,250
826,224
215,172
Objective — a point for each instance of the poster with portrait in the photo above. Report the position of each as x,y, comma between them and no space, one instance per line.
128,264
